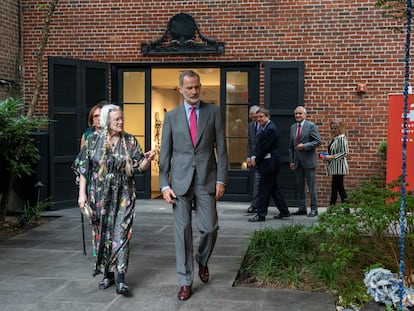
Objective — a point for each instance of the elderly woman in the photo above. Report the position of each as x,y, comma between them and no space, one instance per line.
110,158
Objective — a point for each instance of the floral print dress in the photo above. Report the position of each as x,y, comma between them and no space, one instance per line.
111,198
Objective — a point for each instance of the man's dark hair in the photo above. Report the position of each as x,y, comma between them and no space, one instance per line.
264,111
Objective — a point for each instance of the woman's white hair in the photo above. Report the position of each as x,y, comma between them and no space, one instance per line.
104,118
104,121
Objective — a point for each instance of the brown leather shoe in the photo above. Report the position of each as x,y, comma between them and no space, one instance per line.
184,293
203,272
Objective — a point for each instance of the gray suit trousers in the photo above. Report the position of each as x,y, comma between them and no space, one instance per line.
255,188
308,174
207,224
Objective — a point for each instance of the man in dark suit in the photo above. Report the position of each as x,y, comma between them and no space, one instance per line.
304,139
252,131
267,160
193,170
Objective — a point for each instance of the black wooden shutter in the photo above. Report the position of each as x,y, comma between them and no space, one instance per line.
284,90
74,87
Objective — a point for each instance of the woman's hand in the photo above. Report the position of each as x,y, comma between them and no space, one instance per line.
149,155
82,200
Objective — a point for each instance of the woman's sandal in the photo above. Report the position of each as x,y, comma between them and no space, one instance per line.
106,282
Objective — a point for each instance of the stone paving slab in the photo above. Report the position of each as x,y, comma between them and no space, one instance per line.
45,269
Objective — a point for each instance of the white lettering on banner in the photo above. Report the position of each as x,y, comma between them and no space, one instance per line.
410,114
408,131
409,124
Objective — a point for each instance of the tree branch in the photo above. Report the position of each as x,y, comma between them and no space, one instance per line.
39,59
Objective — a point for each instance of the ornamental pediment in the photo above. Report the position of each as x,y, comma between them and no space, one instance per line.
182,36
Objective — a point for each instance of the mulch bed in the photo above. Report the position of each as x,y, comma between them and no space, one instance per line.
11,226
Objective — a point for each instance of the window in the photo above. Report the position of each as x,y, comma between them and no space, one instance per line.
237,112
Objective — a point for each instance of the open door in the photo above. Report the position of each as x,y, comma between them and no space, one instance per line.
147,93
239,91
74,87
132,92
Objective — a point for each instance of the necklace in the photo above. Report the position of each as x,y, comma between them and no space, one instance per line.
113,141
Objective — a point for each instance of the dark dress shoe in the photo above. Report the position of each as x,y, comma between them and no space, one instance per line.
184,293
107,281
313,214
121,288
257,218
281,216
251,210
299,212
203,272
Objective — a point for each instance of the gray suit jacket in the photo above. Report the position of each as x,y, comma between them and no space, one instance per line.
309,136
179,159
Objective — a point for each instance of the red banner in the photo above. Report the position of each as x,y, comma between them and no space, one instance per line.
395,139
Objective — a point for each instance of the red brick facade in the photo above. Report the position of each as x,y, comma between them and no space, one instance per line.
342,43
9,48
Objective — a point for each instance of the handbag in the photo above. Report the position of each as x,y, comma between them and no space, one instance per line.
87,210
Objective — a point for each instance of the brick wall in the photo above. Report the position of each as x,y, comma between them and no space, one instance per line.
9,48
342,43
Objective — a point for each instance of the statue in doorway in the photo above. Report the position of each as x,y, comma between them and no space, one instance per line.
157,139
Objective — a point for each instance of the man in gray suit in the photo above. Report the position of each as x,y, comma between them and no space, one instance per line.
304,139
193,172
252,131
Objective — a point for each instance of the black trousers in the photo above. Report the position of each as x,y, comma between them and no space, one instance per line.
338,187
269,187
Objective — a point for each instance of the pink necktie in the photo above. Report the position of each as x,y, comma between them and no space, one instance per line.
298,136
193,125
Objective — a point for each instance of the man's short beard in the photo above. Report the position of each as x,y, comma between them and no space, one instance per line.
192,100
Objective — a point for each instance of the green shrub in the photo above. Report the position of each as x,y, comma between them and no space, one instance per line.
382,150
18,150
279,256
33,212
333,254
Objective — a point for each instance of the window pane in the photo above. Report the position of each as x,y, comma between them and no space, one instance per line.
134,119
237,113
237,87
237,152
134,87
237,120
134,105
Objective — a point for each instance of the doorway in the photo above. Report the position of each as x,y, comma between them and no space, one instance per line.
165,97
148,93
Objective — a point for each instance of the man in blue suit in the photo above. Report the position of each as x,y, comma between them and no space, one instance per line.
304,139
193,169
266,158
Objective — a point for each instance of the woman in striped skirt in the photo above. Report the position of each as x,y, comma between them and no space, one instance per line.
336,163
